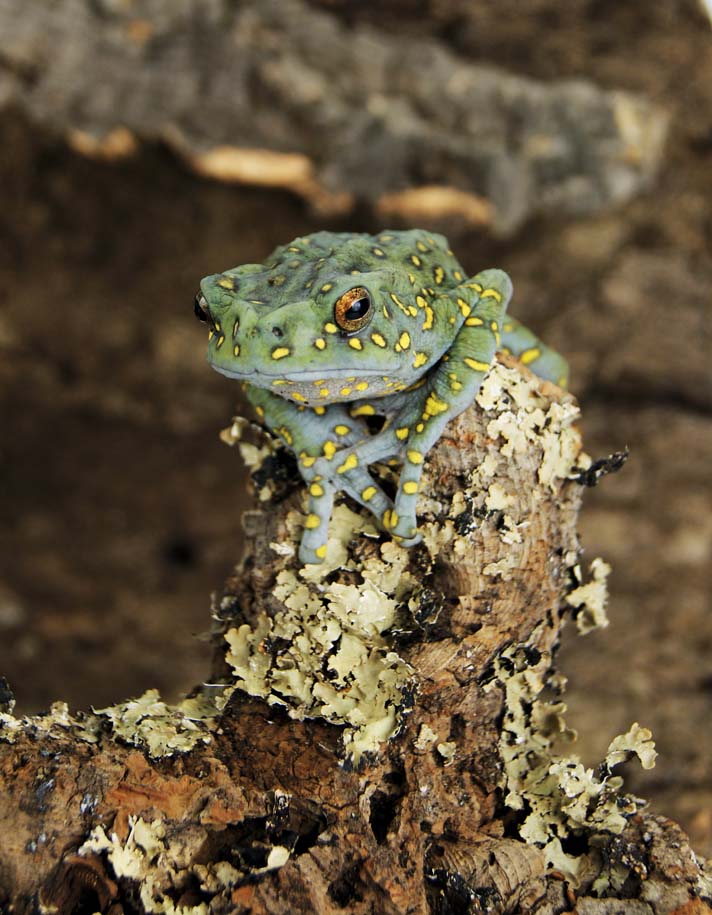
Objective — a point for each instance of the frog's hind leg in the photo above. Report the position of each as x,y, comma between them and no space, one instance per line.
526,346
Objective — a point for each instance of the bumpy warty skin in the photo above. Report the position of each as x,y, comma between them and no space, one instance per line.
360,348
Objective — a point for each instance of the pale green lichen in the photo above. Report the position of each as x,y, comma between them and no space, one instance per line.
331,656
524,416
155,860
589,600
563,798
163,729
56,723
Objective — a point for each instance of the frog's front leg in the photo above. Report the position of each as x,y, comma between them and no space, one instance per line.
450,388
318,437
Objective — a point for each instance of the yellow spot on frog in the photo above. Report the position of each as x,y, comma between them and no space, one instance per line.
349,464
313,521
236,349
368,493
476,364
235,327
420,427
221,340
295,395
320,343
404,340
415,260
364,409
433,405
362,386
379,252
420,359
307,460
429,315
226,282
494,293
355,343
331,328
464,308
324,392
390,519
316,490
439,275
411,487
280,352
421,246
475,286
211,334
402,433
378,339
457,275
320,551
421,301
260,411
329,449
411,279
529,355
415,457
320,411
345,392
508,327
341,429
474,321
327,286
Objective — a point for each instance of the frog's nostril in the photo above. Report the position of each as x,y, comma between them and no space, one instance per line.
277,331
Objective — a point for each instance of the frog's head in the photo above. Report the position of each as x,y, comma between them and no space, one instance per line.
321,329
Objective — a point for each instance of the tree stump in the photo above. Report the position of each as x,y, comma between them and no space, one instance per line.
379,734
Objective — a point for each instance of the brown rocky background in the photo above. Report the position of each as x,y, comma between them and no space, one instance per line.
120,508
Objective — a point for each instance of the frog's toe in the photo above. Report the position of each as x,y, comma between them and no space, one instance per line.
406,541
310,554
402,528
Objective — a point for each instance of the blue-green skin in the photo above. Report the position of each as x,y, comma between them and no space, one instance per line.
418,362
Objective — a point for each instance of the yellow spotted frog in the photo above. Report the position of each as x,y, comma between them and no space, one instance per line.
337,332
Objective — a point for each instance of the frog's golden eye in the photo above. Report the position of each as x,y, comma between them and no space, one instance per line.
353,310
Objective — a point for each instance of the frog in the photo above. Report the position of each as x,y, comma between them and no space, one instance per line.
356,350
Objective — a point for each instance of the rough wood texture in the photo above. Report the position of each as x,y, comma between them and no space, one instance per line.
274,92
396,704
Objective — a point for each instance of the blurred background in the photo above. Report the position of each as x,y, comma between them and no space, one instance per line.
146,143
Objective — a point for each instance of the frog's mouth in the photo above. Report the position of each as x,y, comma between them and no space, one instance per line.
310,375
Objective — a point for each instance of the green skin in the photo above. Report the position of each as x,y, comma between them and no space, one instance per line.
429,335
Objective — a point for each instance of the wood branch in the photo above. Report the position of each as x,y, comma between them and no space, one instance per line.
276,93
373,738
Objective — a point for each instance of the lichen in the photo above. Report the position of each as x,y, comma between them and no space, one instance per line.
589,600
560,797
163,729
56,723
153,857
325,653
524,416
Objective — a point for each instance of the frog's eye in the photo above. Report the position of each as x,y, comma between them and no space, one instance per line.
200,307
353,310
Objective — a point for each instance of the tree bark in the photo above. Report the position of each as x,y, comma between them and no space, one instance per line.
276,93
375,736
